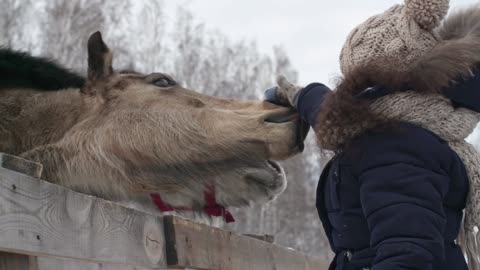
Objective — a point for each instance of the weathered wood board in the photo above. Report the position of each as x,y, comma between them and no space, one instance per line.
10,261
197,246
21,165
39,218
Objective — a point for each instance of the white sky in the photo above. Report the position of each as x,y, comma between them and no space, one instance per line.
312,31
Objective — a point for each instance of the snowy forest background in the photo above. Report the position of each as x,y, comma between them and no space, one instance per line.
144,37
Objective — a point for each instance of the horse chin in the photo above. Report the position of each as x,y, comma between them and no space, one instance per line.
257,184
272,179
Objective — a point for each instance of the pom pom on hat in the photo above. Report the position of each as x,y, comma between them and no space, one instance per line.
427,13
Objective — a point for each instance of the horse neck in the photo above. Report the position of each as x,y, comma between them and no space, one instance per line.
42,117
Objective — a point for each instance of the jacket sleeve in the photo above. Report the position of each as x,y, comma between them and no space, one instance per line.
402,186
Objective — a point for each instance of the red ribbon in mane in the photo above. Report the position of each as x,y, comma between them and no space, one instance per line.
211,208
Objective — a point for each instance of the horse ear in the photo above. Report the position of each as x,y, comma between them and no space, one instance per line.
99,58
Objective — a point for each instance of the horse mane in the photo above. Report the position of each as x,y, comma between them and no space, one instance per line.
21,70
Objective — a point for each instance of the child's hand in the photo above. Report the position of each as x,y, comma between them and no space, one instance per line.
284,94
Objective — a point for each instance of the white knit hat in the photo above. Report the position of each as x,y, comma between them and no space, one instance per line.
396,37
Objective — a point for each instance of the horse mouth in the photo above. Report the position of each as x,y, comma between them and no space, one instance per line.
275,166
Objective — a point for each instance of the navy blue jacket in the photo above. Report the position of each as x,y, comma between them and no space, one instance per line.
392,199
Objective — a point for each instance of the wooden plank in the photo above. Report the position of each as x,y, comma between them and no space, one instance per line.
42,219
45,220
21,165
197,246
46,263
11,261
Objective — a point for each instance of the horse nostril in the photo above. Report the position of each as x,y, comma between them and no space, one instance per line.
274,165
283,117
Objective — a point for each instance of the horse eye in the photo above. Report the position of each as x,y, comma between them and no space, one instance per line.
161,82
164,81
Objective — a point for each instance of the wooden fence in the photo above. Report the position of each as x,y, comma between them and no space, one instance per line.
47,227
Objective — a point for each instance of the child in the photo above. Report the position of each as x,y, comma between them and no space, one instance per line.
394,194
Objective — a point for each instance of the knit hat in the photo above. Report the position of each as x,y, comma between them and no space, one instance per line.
396,37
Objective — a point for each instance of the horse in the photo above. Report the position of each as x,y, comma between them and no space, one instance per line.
125,135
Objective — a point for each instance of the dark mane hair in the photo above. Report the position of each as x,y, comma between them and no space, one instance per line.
21,70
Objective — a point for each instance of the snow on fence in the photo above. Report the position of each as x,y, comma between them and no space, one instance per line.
47,227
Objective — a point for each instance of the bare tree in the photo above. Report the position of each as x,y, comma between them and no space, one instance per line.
68,26
9,14
17,28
